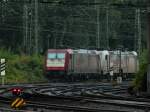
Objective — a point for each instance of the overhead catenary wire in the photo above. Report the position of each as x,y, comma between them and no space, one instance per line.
71,3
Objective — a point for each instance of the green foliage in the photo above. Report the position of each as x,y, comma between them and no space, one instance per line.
70,26
22,68
140,76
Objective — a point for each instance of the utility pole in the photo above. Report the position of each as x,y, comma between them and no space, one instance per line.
135,31
48,41
3,9
30,47
139,30
55,42
107,27
25,28
148,45
63,34
1,15
98,26
36,27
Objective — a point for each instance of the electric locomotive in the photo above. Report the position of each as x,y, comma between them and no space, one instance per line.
82,63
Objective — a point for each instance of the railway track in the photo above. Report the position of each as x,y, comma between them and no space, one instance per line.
12,110
79,89
47,107
89,101
104,101
80,106
48,103
65,89
71,108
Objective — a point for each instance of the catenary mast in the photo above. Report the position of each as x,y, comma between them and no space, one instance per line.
148,45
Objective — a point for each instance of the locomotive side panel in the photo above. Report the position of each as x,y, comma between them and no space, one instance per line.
81,63
104,61
125,63
114,62
93,64
129,62
133,64
117,61
131,67
84,63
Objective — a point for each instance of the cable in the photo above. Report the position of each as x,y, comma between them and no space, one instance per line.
71,3
10,29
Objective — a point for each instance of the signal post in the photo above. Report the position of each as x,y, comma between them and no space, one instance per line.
2,70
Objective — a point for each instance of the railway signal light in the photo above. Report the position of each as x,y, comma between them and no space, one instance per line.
16,91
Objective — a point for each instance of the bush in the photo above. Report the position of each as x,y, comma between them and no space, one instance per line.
22,68
140,79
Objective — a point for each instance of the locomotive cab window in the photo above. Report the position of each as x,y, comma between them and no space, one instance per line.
61,55
51,55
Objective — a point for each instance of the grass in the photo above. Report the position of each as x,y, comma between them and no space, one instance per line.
23,68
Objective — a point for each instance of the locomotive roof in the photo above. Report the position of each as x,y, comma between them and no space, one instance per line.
57,50
124,53
84,51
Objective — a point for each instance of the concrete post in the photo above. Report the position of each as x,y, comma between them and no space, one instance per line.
148,45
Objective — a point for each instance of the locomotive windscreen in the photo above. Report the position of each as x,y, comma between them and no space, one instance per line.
56,60
51,55
60,55
56,55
